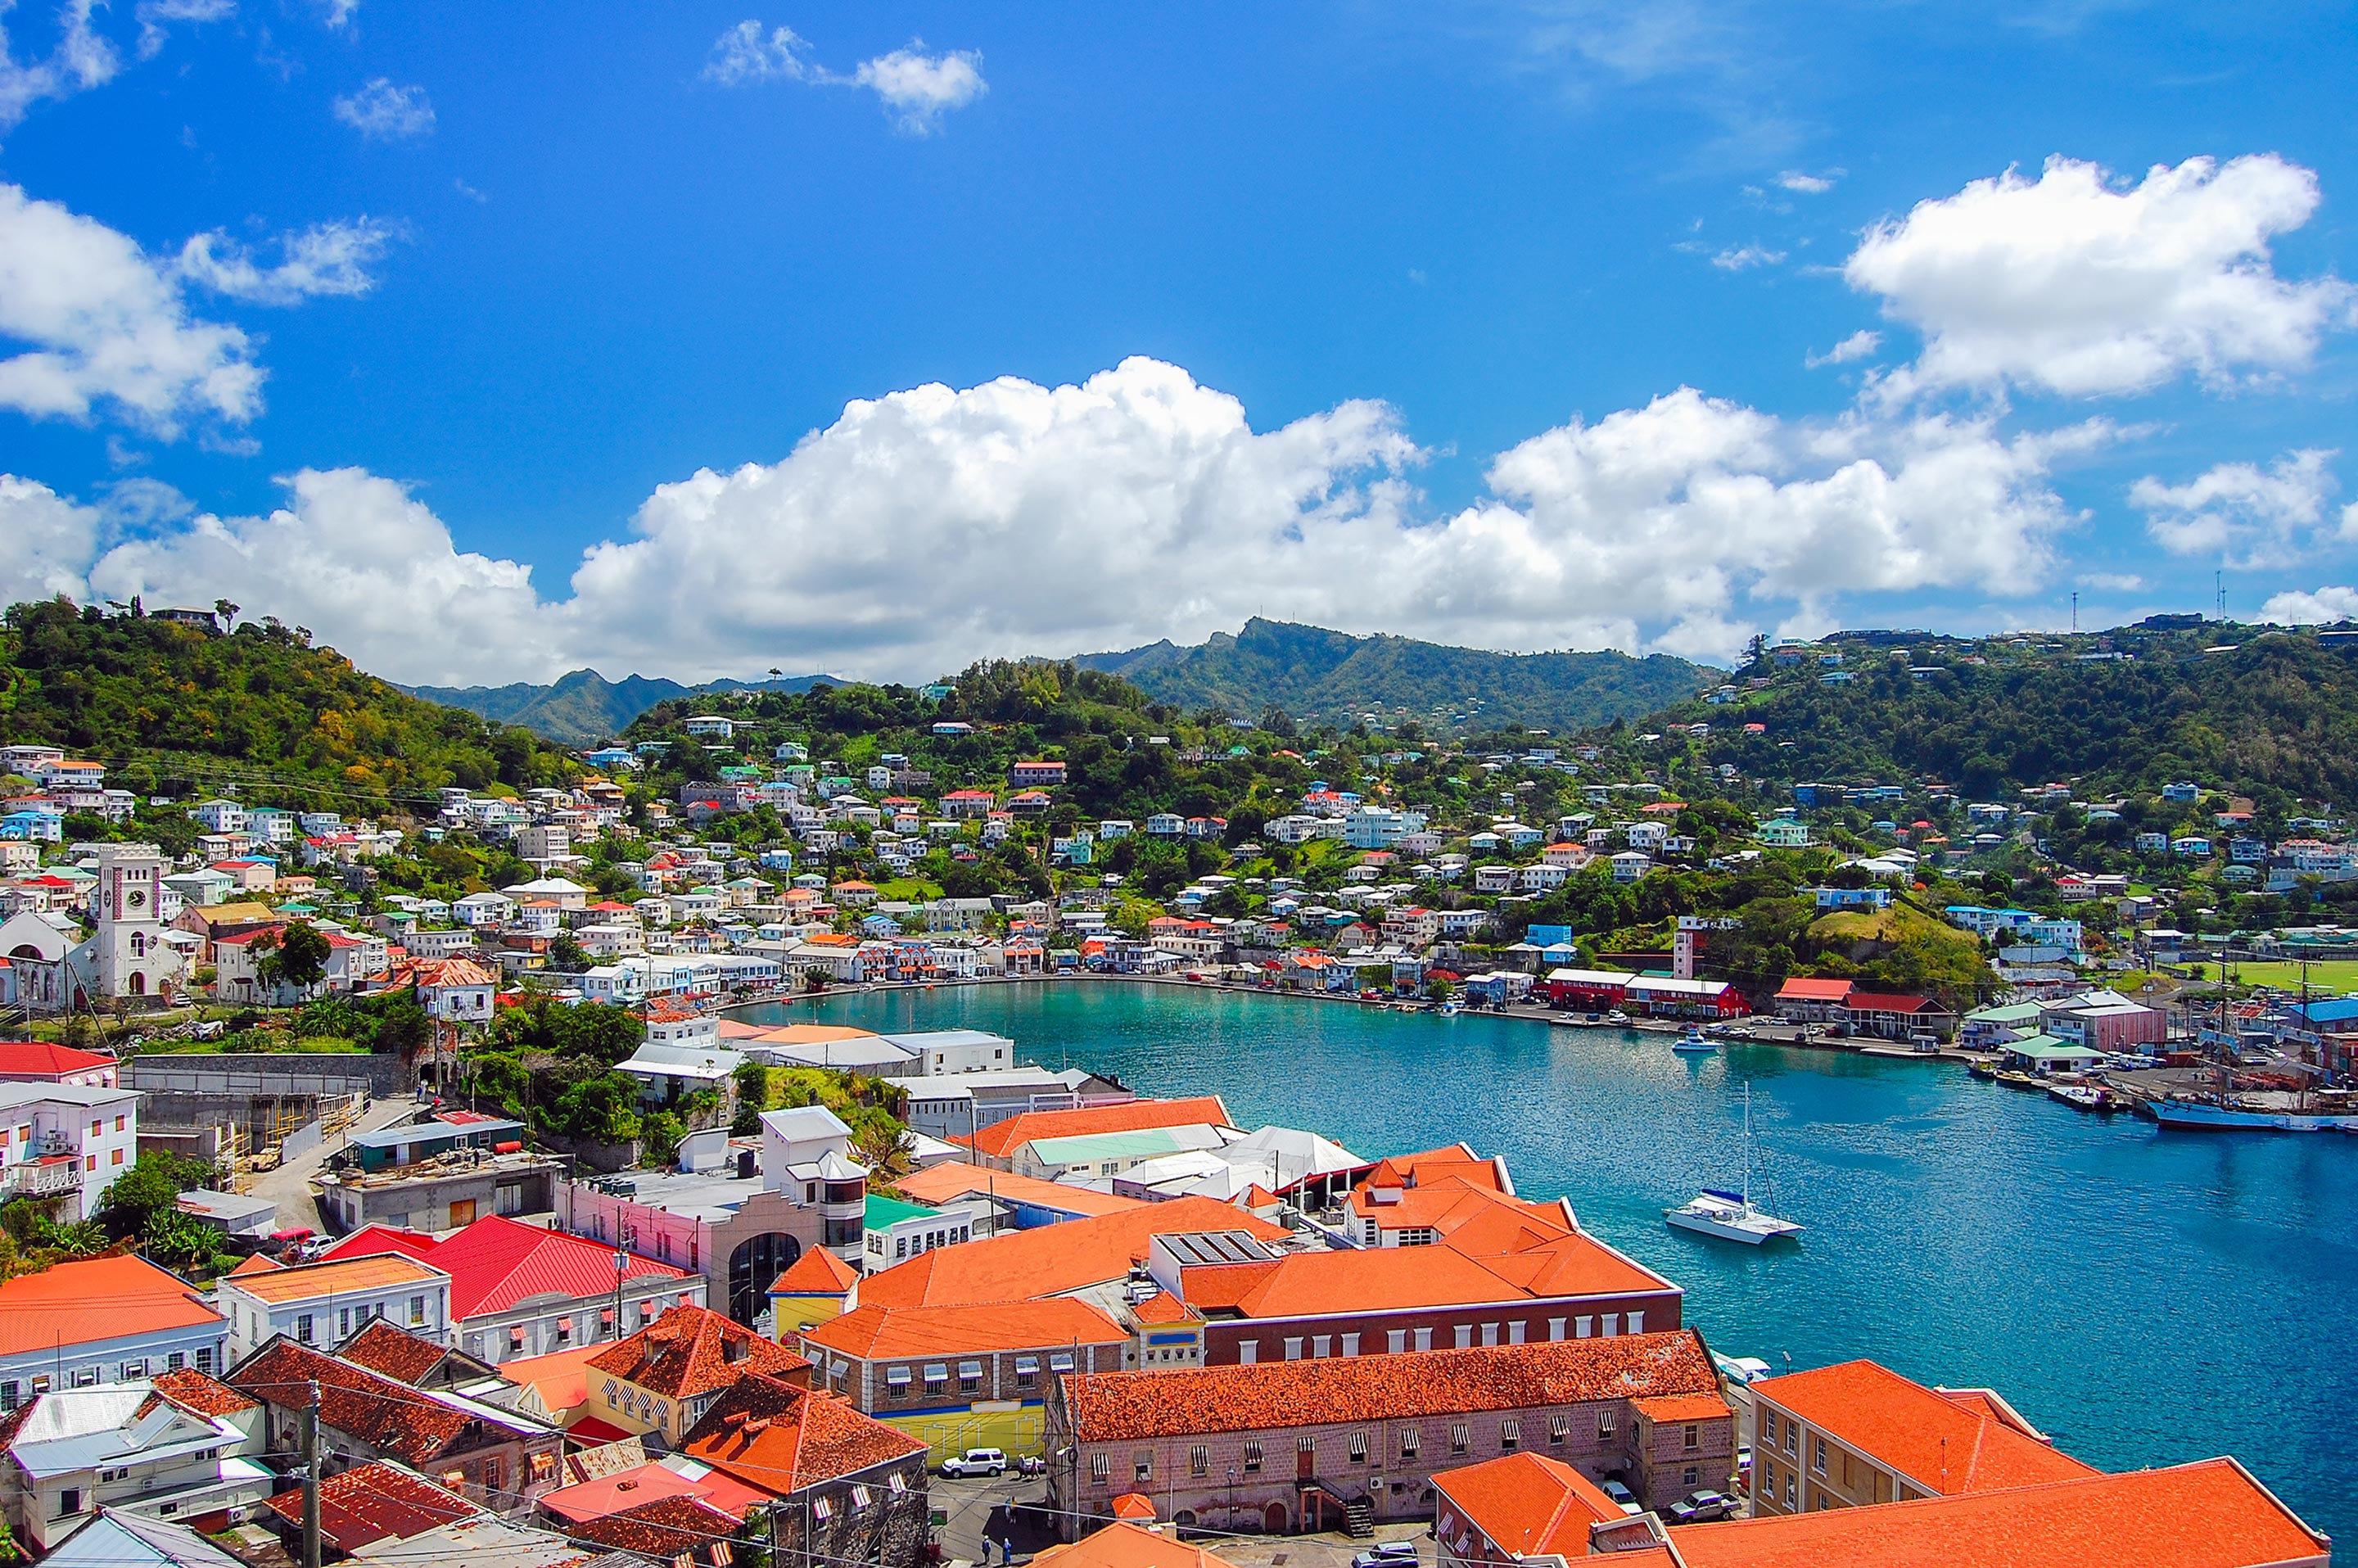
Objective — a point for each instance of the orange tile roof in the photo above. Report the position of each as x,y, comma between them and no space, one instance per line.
382,1348
388,1415
1002,1139
662,1528
1304,1284
1109,1406
561,1377
818,1272
1666,1409
201,1394
691,1351
374,1502
1936,1442
1163,1307
258,1264
1528,1504
1052,1259
622,1490
781,1438
341,1277
95,1299
953,1179
2211,1514
1125,1545
874,1333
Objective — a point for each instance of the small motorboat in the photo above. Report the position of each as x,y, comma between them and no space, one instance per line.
1695,1042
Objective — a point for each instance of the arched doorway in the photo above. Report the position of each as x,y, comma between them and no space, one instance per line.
138,983
1273,1519
754,1267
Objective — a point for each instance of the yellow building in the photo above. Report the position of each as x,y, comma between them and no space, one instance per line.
817,1287
663,1377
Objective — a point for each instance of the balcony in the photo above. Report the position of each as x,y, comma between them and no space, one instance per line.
45,1177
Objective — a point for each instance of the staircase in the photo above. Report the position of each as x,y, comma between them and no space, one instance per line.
1358,1519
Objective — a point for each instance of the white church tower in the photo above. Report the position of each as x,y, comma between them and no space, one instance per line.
129,956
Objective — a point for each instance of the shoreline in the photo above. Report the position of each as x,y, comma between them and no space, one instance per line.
1792,1036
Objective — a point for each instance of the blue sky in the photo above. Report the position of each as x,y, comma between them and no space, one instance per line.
1374,315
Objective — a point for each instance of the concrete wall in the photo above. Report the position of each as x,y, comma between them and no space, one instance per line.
250,1074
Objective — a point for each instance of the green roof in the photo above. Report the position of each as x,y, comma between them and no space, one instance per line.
2047,1048
2019,1012
1088,1147
882,1212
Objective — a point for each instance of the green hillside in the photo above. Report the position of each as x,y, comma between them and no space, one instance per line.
584,708
172,708
1319,675
2257,711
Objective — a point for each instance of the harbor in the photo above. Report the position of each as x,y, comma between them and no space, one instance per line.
1957,1233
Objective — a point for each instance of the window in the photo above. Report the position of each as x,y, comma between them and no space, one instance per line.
1322,1346
1248,1352
937,1378
344,1322
1489,1335
1027,1371
417,1311
1791,1488
1605,1421
491,1475
1768,1481
1424,1339
970,1377
1690,1436
515,1339
896,1383
1100,1468
1691,1475
1612,1323
1792,1435
1252,1458
1462,1337
1818,1457
1458,1438
1555,1328
565,1330
118,1124
1358,1448
115,1158
134,1369
1350,1345
1516,1332
303,1327
1294,1349
1768,1427
1396,1340
204,1358
1559,1429
1636,1322
1410,1439
1199,1460
1141,1466
860,1497
1062,1361
69,1502
1580,1327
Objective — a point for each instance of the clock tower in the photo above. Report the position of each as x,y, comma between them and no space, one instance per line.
129,955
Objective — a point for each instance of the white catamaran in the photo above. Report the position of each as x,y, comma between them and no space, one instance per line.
1733,1216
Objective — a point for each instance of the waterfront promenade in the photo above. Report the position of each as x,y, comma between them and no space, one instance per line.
2149,1297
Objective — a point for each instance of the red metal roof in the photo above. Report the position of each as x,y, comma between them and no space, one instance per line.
374,1502
497,1262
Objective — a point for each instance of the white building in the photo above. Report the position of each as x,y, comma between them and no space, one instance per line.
320,1304
66,1142
130,1448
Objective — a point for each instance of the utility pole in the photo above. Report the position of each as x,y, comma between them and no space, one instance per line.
310,1434
624,1234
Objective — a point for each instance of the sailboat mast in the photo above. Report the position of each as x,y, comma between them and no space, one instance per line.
1747,1144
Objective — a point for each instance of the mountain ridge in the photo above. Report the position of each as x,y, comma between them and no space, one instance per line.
582,707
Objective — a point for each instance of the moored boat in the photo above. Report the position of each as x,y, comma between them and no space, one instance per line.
1695,1042
1732,1217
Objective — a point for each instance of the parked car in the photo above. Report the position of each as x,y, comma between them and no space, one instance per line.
1390,1554
1697,1507
977,1462
1621,1495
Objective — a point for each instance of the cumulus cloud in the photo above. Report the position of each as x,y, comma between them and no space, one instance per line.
915,88
1802,184
337,15
1741,257
360,561
2247,516
80,60
2077,284
918,88
108,325
385,113
2323,607
157,16
1857,346
45,542
328,258
931,527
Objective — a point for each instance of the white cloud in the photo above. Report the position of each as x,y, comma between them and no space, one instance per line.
919,88
2320,607
1857,346
931,527
45,542
2077,284
326,259
155,18
2247,516
1793,179
384,113
2112,582
337,15
1743,257
107,325
745,54
80,60
357,559
915,88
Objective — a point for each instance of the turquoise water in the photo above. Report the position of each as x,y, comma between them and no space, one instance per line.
2145,1298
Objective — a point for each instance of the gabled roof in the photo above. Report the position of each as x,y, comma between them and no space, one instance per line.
955,1179
18,1056
96,1299
1125,1545
1112,1406
873,1334
342,1276
663,1528
1529,1505
1801,987
1002,1139
652,1482
390,1416
1052,1259
377,1502
691,1351
382,1348
1940,1444
496,1263
782,1438
199,1393
818,1272
2211,1514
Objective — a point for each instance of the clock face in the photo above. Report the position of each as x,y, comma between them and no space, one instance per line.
137,898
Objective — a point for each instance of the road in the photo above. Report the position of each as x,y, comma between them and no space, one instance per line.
1016,1505
290,1186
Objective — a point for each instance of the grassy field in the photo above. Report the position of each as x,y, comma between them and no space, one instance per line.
2332,977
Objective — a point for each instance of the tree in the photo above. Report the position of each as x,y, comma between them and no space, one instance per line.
152,1186
177,1240
295,956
